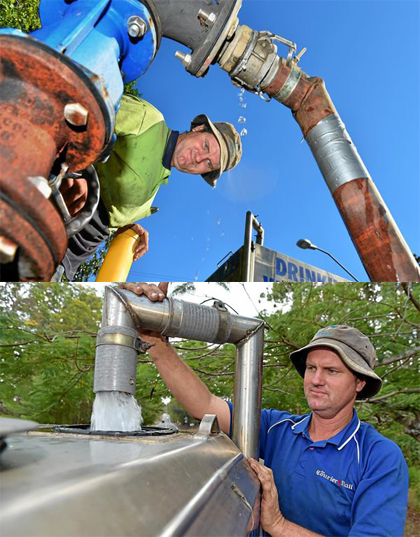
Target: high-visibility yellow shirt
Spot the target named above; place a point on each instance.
(134, 171)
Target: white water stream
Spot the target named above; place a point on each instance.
(115, 411)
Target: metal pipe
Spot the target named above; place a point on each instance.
(116, 354)
(251, 60)
(247, 393)
(125, 312)
(248, 264)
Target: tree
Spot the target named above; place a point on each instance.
(21, 14)
(47, 351)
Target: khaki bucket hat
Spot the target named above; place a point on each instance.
(229, 142)
(354, 348)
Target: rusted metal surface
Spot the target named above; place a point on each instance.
(30, 220)
(381, 247)
(50, 112)
(37, 84)
(305, 83)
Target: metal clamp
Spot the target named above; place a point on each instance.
(291, 46)
(112, 336)
(290, 85)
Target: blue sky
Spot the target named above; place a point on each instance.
(368, 54)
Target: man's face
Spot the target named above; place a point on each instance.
(330, 386)
(196, 152)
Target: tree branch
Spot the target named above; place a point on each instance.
(382, 397)
(407, 291)
(402, 356)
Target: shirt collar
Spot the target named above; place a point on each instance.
(169, 149)
(339, 440)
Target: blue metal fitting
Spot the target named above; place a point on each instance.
(94, 34)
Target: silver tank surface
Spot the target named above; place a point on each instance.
(55, 485)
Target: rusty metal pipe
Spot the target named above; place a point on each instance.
(251, 60)
(378, 241)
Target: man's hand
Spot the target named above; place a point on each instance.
(142, 244)
(272, 519)
(74, 192)
(155, 293)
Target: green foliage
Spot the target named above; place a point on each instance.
(130, 89)
(47, 351)
(91, 267)
(21, 14)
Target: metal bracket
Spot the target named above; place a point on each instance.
(219, 305)
(208, 426)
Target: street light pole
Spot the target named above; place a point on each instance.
(306, 243)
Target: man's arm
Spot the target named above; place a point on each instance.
(183, 383)
(272, 519)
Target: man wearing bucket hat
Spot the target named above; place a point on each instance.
(144, 153)
(326, 472)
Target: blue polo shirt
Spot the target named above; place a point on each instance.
(353, 484)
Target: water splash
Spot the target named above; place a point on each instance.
(243, 132)
(115, 411)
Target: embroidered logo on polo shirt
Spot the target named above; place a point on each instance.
(339, 482)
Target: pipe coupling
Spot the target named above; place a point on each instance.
(201, 323)
(117, 349)
(249, 58)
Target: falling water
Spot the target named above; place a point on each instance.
(242, 104)
(115, 411)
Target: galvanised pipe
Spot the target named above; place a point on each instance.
(125, 312)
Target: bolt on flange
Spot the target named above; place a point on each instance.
(8, 250)
(206, 18)
(185, 58)
(136, 26)
(76, 114)
(42, 185)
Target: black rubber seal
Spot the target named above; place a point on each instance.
(85, 429)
